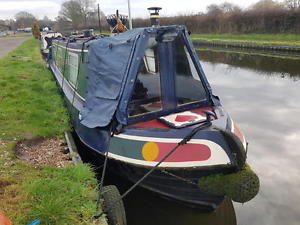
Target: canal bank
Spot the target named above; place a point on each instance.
(248, 45)
(277, 42)
(37, 178)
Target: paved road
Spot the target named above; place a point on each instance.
(8, 44)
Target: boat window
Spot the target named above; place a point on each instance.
(59, 58)
(147, 93)
(149, 58)
(189, 87)
(73, 68)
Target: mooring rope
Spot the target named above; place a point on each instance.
(186, 180)
(102, 179)
(104, 170)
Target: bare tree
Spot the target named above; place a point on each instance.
(213, 9)
(62, 24)
(292, 4)
(71, 12)
(266, 5)
(228, 7)
(46, 19)
(46, 22)
(265, 16)
(79, 13)
(87, 7)
(24, 19)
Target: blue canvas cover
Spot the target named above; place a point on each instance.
(108, 62)
(113, 64)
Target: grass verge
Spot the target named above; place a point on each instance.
(290, 39)
(32, 107)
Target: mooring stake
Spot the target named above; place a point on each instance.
(73, 149)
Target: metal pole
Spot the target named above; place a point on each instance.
(129, 14)
(99, 19)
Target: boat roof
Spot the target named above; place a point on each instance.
(113, 65)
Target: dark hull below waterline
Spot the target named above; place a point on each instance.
(162, 184)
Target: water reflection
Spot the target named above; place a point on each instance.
(146, 208)
(266, 108)
(270, 66)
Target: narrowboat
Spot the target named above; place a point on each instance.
(46, 39)
(133, 96)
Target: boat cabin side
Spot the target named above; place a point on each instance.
(70, 59)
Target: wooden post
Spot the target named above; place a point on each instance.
(99, 19)
(129, 15)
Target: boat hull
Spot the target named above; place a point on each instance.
(161, 183)
(177, 185)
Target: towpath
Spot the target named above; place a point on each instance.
(8, 44)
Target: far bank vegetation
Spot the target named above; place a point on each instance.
(265, 16)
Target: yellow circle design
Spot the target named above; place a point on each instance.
(150, 151)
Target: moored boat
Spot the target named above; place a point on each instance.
(141, 98)
(46, 40)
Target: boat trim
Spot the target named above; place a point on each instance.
(233, 130)
(71, 49)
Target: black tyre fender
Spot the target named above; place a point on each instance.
(113, 206)
(236, 147)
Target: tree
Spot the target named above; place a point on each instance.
(79, 13)
(46, 19)
(71, 12)
(228, 7)
(266, 5)
(292, 4)
(62, 24)
(213, 10)
(36, 31)
(7, 24)
(87, 7)
(24, 19)
(46, 22)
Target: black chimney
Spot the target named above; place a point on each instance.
(154, 16)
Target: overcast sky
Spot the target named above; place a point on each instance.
(50, 8)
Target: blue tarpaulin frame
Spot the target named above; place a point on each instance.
(113, 64)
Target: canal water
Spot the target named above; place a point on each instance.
(262, 94)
